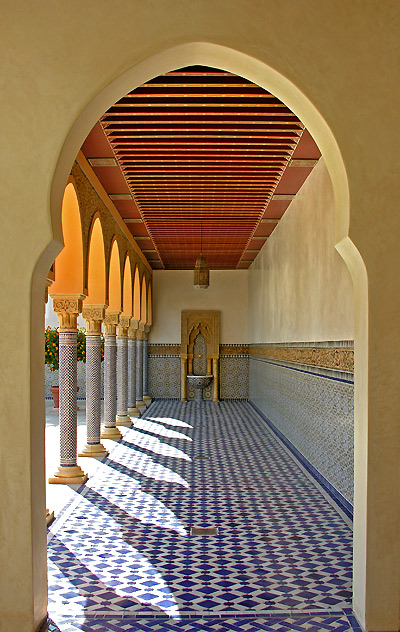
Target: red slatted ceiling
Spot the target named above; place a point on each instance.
(201, 146)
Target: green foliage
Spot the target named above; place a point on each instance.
(51, 347)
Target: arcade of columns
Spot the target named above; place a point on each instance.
(101, 275)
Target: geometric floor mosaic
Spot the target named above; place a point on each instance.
(122, 557)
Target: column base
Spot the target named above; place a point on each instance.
(141, 404)
(69, 476)
(110, 433)
(134, 412)
(215, 399)
(147, 399)
(96, 449)
(49, 517)
(123, 420)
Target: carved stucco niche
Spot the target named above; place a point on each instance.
(193, 323)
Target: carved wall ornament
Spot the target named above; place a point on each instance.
(206, 322)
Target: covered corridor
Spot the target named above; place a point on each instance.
(124, 553)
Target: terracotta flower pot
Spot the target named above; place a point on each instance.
(55, 391)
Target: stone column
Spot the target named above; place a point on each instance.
(183, 378)
(146, 396)
(122, 418)
(94, 316)
(215, 380)
(49, 514)
(67, 309)
(139, 368)
(209, 361)
(109, 430)
(133, 411)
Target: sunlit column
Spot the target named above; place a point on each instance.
(94, 316)
(215, 380)
(122, 417)
(146, 396)
(67, 309)
(183, 378)
(109, 430)
(139, 368)
(49, 514)
(133, 411)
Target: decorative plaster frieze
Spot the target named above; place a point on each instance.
(341, 359)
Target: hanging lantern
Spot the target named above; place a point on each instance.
(201, 271)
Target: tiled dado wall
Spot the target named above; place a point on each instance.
(306, 390)
(165, 371)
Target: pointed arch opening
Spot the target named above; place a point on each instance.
(143, 302)
(96, 265)
(136, 295)
(68, 266)
(114, 280)
(127, 288)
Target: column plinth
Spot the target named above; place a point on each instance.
(109, 430)
(94, 316)
(67, 309)
(122, 417)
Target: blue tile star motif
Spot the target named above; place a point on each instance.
(123, 556)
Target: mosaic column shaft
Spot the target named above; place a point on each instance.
(94, 316)
(109, 430)
(133, 411)
(122, 418)
(146, 396)
(139, 370)
(183, 379)
(67, 309)
(215, 380)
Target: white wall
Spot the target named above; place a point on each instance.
(299, 287)
(173, 291)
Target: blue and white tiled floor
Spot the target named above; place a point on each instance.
(122, 557)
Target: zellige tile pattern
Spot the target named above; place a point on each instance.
(121, 557)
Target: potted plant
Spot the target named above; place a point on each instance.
(51, 355)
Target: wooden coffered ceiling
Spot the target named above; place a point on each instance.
(200, 146)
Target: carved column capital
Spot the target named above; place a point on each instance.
(110, 322)
(94, 316)
(67, 308)
(132, 331)
(123, 326)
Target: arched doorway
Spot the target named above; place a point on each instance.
(266, 77)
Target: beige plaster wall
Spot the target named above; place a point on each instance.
(173, 291)
(299, 286)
